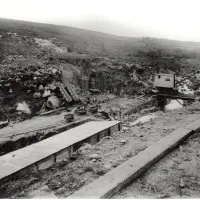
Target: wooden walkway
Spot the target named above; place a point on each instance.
(43, 154)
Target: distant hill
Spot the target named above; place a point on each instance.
(95, 43)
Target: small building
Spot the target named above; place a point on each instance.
(164, 80)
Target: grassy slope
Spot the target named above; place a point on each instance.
(94, 42)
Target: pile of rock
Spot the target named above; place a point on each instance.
(31, 84)
(29, 79)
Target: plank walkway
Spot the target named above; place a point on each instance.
(43, 154)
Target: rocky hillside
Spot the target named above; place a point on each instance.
(30, 62)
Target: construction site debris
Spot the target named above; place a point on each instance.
(81, 110)
(69, 117)
(151, 109)
(41, 87)
(182, 184)
(107, 138)
(94, 91)
(72, 92)
(65, 94)
(46, 93)
(42, 193)
(85, 148)
(94, 156)
(4, 123)
(93, 108)
(174, 104)
(144, 119)
(23, 107)
(55, 111)
(37, 95)
(53, 102)
(163, 196)
(123, 142)
(106, 115)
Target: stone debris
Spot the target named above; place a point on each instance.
(37, 95)
(94, 157)
(85, 149)
(42, 193)
(47, 93)
(163, 196)
(23, 107)
(53, 102)
(174, 104)
(151, 109)
(41, 87)
(144, 119)
(107, 138)
(69, 117)
(123, 142)
(4, 123)
(182, 184)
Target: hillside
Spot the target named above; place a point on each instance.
(94, 42)
(31, 55)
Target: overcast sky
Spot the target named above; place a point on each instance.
(172, 19)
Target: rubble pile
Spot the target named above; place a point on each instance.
(29, 76)
(114, 76)
(105, 75)
(32, 79)
(28, 87)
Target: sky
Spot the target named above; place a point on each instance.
(171, 19)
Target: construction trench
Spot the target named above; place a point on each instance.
(69, 121)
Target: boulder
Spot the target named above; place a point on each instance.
(36, 95)
(54, 102)
(94, 156)
(23, 107)
(47, 93)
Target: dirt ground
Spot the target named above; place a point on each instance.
(21, 134)
(175, 176)
(55, 120)
(35, 124)
(116, 102)
(62, 179)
